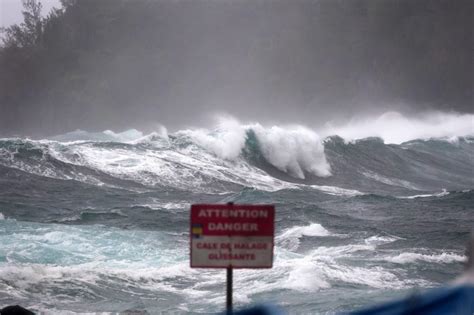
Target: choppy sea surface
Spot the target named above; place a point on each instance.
(98, 222)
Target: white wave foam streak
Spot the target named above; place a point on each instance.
(2, 217)
(395, 128)
(336, 191)
(157, 204)
(324, 252)
(290, 238)
(390, 181)
(294, 150)
(440, 194)
(313, 229)
(310, 272)
(379, 240)
(406, 258)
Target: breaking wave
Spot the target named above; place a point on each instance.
(235, 155)
(290, 238)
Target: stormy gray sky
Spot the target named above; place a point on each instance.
(10, 10)
(302, 61)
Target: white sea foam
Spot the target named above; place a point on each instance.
(378, 240)
(146, 264)
(2, 217)
(157, 205)
(158, 138)
(376, 277)
(306, 277)
(183, 168)
(395, 128)
(207, 162)
(290, 238)
(226, 141)
(337, 191)
(69, 219)
(294, 150)
(342, 251)
(319, 268)
(40, 164)
(405, 258)
(440, 194)
(313, 229)
(315, 271)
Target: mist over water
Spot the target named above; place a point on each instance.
(394, 127)
(132, 64)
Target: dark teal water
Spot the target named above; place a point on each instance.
(99, 222)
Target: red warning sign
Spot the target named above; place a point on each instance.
(229, 235)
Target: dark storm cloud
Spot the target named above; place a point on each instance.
(290, 61)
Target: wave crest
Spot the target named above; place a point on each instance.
(395, 128)
(293, 150)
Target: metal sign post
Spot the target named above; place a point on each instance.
(229, 291)
(232, 236)
(229, 282)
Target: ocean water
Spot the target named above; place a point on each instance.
(98, 222)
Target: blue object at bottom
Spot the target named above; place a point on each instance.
(449, 300)
(458, 300)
